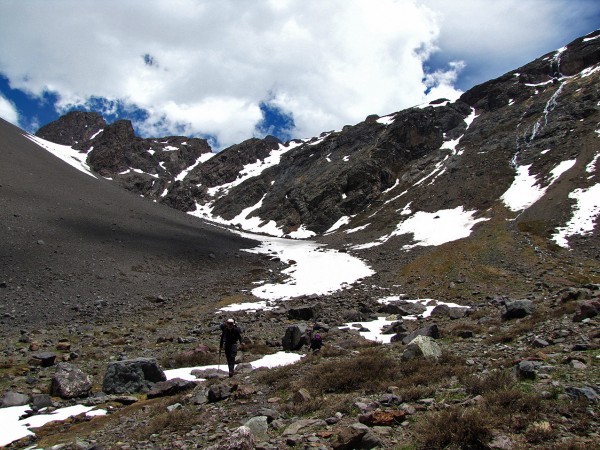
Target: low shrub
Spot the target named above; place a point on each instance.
(189, 359)
(454, 428)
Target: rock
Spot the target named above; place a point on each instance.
(464, 334)
(14, 399)
(517, 309)
(430, 330)
(540, 343)
(422, 346)
(270, 413)
(295, 427)
(370, 440)
(218, 392)
(304, 312)
(302, 396)
(571, 294)
(295, 337)
(575, 364)
(350, 437)
(394, 328)
(587, 310)
(132, 375)
(63, 346)
(240, 439)
(584, 392)
(458, 312)
(440, 310)
(382, 418)
(525, 370)
(170, 387)
(39, 401)
(209, 374)
(70, 382)
(44, 359)
(410, 309)
(259, 426)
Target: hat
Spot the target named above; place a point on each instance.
(230, 321)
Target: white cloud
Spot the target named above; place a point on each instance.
(8, 111)
(205, 67)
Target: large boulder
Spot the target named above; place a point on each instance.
(422, 346)
(517, 309)
(132, 375)
(430, 330)
(11, 398)
(70, 382)
(170, 387)
(308, 312)
(295, 337)
(587, 310)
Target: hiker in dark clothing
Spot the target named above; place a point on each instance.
(316, 343)
(230, 336)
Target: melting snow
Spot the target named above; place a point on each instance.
(202, 159)
(386, 120)
(12, 429)
(354, 230)
(591, 167)
(436, 228)
(268, 361)
(525, 191)
(375, 327)
(64, 152)
(344, 220)
(585, 213)
(256, 168)
(315, 270)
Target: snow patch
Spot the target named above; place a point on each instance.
(585, 213)
(64, 152)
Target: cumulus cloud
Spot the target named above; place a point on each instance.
(205, 68)
(8, 111)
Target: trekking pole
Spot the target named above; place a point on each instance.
(219, 364)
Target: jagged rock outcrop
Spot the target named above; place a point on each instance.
(73, 128)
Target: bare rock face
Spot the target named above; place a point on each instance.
(70, 382)
(132, 375)
(73, 128)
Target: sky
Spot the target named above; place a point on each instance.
(234, 69)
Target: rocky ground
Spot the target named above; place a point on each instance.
(529, 381)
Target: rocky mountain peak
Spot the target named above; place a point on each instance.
(73, 128)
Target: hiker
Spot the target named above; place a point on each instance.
(316, 343)
(230, 336)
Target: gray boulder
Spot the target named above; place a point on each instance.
(218, 392)
(526, 370)
(170, 387)
(259, 426)
(70, 382)
(584, 392)
(44, 359)
(11, 398)
(422, 346)
(295, 337)
(430, 330)
(308, 312)
(517, 309)
(132, 375)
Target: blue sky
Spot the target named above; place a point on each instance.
(233, 69)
